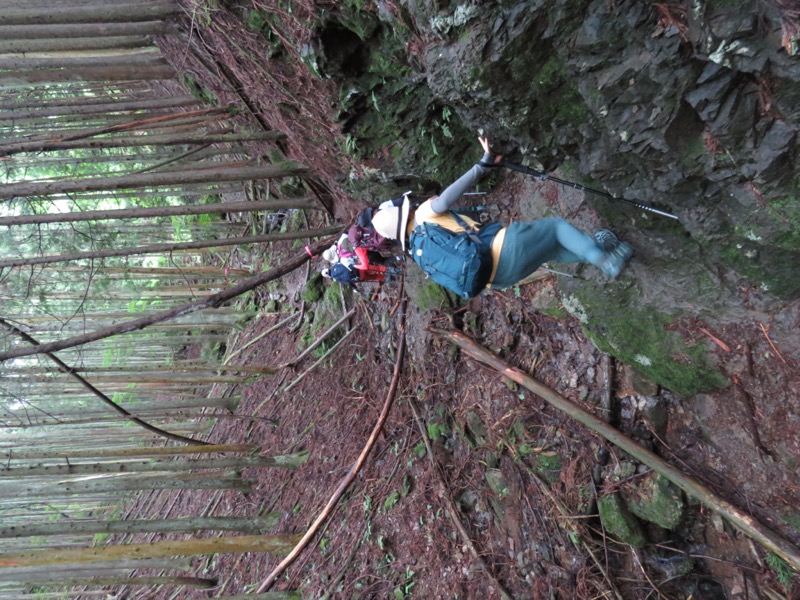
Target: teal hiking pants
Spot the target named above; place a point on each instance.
(529, 244)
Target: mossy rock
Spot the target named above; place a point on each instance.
(431, 296)
(619, 522)
(548, 465)
(497, 482)
(613, 317)
(656, 500)
(438, 425)
(476, 429)
(314, 288)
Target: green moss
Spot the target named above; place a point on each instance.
(793, 520)
(327, 310)
(438, 424)
(314, 288)
(198, 91)
(656, 500)
(551, 73)
(619, 522)
(772, 268)
(786, 210)
(556, 312)
(353, 15)
(570, 107)
(641, 338)
(331, 296)
(385, 109)
(431, 296)
(548, 465)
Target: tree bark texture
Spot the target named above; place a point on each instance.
(146, 180)
(271, 544)
(250, 525)
(162, 211)
(169, 247)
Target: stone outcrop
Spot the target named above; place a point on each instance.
(689, 108)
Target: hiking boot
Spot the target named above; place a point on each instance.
(606, 239)
(615, 259)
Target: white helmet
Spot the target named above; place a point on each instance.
(391, 222)
(331, 255)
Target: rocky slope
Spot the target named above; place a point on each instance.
(688, 108)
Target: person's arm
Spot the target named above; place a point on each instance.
(455, 190)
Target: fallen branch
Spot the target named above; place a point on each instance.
(254, 340)
(318, 362)
(451, 509)
(348, 479)
(747, 524)
(317, 342)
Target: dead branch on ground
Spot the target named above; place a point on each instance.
(744, 522)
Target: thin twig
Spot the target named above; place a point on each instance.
(255, 339)
(638, 559)
(318, 362)
(366, 314)
(766, 335)
(318, 341)
(716, 340)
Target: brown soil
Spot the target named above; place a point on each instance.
(534, 529)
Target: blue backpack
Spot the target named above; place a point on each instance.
(461, 262)
(344, 275)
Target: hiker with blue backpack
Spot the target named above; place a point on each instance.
(465, 257)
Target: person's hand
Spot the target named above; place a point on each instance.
(488, 150)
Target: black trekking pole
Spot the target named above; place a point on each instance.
(578, 186)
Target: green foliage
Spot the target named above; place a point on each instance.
(548, 465)
(256, 20)
(781, 568)
(387, 109)
(314, 288)
(404, 590)
(204, 11)
(393, 499)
